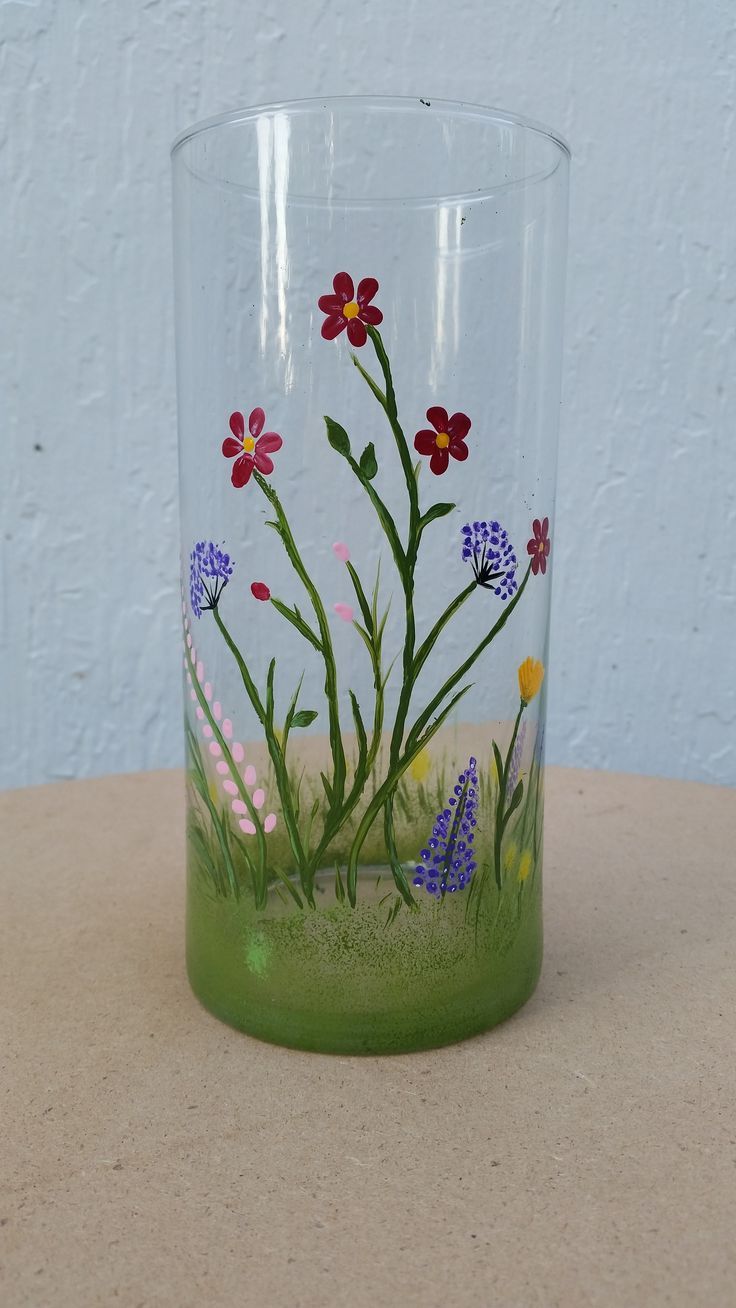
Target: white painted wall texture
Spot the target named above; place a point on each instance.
(644, 629)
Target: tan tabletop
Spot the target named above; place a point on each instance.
(582, 1154)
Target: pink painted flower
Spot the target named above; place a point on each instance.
(228, 768)
(539, 546)
(341, 551)
(252, 450)
(346, 309)
(448, 438)
(343, 611)
(259, 590)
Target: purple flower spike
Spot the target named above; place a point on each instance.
(486, 546)
(447, 861)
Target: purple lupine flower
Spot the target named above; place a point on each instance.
(487, 547)
(447, 861)
(515, 763)
(210, 569)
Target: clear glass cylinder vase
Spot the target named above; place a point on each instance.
(368, 306)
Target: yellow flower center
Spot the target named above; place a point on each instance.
(249, 444)
(540, 547)
(442, 441)
(351, 310)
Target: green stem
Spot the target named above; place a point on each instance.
(289, 718)
(389, 836)
(501, 802)
(372, 637)
(467, 663)
(234, 773)
(407, 576)
(275, 752)
(385, 791)
(374, 651)
(362, 771)
(389, 404)
(387, 400)
(331, 689)
(428, 643)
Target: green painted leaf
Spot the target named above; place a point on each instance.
(361, 596)
(269, 691)
(326, 787)
(515, 802)
(295, 618)
(304, 717)
(499, 762)
(363, 636)
(339, 885)
(337, 436)
(359, 729)
(435, 511)
(369, 462)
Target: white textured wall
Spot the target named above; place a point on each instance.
(644, 632)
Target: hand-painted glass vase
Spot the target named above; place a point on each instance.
(369, 298)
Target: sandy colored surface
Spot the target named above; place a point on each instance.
(582, 1154)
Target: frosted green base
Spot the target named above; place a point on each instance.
(340, 980)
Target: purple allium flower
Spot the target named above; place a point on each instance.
(515, 763)
(210, 569)
(447, 861)
(487, 547)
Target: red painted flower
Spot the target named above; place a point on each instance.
(346, 309)
(448, 438)
(260, 590)
(539, 546)
(252, 450)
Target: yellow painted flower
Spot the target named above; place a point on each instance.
(212, 788)
(419, 766)
(531, 676)
(509, 858)
(525, 864)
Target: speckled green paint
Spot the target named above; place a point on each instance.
(339, 979)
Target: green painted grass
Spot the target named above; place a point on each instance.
(369, 979)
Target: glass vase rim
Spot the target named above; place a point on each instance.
(400, 104)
